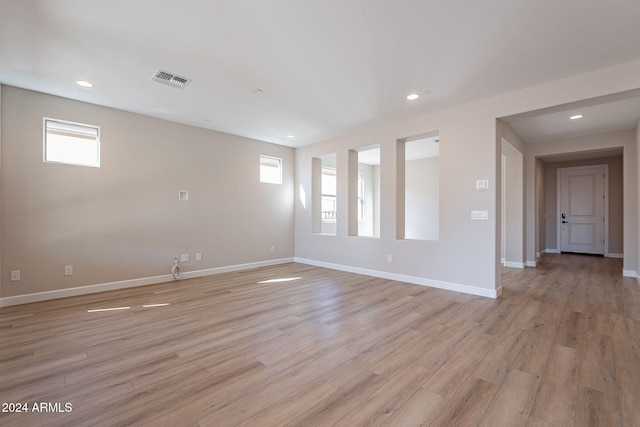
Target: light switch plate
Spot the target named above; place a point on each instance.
(479, 215)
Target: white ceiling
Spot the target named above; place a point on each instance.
(325, 68)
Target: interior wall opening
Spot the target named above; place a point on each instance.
(329, 191)
(367, 191)
(418, 202)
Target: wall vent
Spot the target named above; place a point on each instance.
(170, 79)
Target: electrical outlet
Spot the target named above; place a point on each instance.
(273, 249)
(198, 256)
(389, 258)
(482, 184)
(15, 275)
(184, 257)
(68, 270)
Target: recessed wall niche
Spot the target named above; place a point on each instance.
(324, 194)
(418, 187)
(364, 191)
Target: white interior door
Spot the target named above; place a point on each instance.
(582, 209)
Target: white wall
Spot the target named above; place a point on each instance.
(503, 210)
(461, 163)
(637, 204)
(514, 206)
(466, 257)
(1, 186)
(123, 221)
(512, 149)
(541, 224)
(422, 199)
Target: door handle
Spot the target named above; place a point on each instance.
(565, 222)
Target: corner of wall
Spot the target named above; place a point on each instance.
(1, 190)
(637, 207)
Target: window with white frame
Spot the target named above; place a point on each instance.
(360, 197)
(329, 193)
(71, 143)
(270, 170)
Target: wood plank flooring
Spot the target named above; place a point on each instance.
(561, 347)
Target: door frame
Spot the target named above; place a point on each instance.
(605, 168)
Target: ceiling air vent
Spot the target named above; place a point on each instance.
(170, 79)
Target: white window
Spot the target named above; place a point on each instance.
(71, 143)
(270, 170)
(360, 197)
(329, 192)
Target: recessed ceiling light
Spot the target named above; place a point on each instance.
(84, 83)
(413, 96)
(576, 117)
(257, 91)
(291, 136)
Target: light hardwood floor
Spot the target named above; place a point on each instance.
(559, 348)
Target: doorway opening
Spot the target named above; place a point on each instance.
(583, 209)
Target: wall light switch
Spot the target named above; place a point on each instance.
(184, 257)
(15, 275)
(198, 256)
(479, 215)
(68, 270)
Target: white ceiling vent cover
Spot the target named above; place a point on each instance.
(170, 79)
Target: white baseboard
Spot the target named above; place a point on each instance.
(530, 263)
(551, 251)
(102, 287)
(630, 273)
(612, 255)
(473, 290)
(512, 264)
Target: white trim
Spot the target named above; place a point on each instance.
(502, 260)
(512, 264)
(551, 251)
(630, 273)
(612, 255)
(530, 264)
(473, 290)
(123, 284)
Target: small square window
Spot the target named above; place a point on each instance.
(71, 143)
(270, 170)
